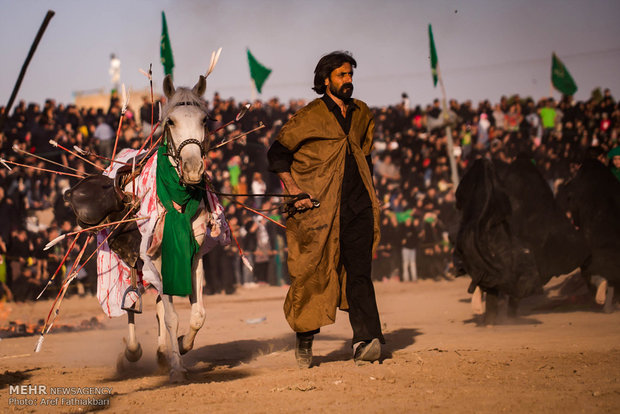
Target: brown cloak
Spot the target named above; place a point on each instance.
(317, 282)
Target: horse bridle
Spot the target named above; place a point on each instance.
(175, 152)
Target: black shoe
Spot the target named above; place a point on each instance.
(303, 351)
(367, 351)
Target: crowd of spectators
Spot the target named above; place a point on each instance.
(411, 172)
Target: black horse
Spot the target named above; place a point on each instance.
(512, 236)
(592, 198)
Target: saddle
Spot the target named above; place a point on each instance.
(98, 199)
(93, 198)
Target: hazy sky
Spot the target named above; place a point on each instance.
(486, 48)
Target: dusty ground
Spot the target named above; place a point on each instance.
(561, 355)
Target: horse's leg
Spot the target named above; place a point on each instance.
(600, 283)
(513, 307)
(197, 318)
(476, 301)
(492, 304)
(162, 359)
(133, 349)
(177, 370)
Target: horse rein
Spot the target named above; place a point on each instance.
(287, 207)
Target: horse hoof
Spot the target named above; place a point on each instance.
(177, 376)
(162, 360)
(183, 350)
(133, 356)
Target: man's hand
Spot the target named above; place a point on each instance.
(293, 189)
(303, 204)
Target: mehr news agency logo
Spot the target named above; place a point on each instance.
(56, 396)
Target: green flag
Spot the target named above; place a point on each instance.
(433, 55)
(165, 50)
(560, 78)
(258, 72)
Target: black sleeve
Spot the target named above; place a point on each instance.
(280, 158)
(370, 166)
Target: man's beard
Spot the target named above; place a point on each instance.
(344, 93)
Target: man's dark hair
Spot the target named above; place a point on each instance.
(326, 66)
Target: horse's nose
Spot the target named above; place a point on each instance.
(193, 165)
(192, 170)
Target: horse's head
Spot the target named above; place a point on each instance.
(185, 125)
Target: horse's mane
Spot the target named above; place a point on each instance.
(183, 94)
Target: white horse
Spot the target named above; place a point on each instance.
(184, 119)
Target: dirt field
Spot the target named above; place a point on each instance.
(561, 355)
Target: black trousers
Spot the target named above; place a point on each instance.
(356, 236)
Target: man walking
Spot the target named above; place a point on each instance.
(324, 151)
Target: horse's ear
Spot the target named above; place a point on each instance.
(200, 87)
(168, 86)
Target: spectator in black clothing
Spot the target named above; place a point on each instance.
(8, 215)
(249, 242)
(409, 232)
(263, 253)
(146, 111)
(27, 286)
(219, 275)
(54, 256)
(431, 261)
(387, 262)
(19, 251)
